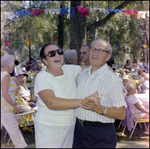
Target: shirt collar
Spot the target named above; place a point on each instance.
(101, 71)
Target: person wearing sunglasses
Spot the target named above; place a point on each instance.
(95, 123)
(84, 54)
(55, 88)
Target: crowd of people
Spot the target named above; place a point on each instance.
(77, 105)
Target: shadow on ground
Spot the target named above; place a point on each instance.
(138, 135)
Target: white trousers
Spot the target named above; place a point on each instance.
(53, 136)
(10, 123)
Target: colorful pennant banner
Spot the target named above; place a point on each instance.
(6, 43)
(117, 44)
(28, 42)
(17, 44)
(83, 11)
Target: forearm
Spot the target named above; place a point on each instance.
(144, 110)
(112, 112)
(62, 104)
(8, 99)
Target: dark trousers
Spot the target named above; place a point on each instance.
(103, 136)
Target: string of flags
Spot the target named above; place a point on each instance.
(83, 11)
(27, 42)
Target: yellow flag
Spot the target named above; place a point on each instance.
(144, 46)
(28, 42)
(36, 39)
(89, 39)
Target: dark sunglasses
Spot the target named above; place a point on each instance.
(53, 53)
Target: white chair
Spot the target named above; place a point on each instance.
(25, 113)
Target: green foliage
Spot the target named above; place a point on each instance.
(119, 29)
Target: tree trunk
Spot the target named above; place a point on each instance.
(77, 29)
(61, 27)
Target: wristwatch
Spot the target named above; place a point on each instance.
(105, 111)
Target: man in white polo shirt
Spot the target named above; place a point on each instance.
(95, 123)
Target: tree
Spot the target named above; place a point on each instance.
(77, 29)
(73, 32)
(77, 25)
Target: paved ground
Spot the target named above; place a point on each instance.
(133, 144)
(127, 144)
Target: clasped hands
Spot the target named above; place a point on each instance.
(91, 102)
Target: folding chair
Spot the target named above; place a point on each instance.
(25, 113)
(136, 121)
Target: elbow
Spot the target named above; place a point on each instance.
(51, 105)
(123, 115)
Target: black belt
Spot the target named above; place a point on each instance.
(90, 123)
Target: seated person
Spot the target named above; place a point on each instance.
(141, 80)
(145, 84)
(125, 81)
(138, 108)
(139, 72)
(24, 92)
(127, 65)
(146, 69)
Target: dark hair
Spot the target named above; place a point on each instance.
(87, 46)
(146, 67)
(25, 75)
(31, 59)
(127, 61)
(16, 62)
(109, 63)
(42, 55)
(114, 69)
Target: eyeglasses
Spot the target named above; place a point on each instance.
(99, 50)
(53, 53)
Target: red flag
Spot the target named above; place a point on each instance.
(6, 43)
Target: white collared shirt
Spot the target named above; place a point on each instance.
(110, 91)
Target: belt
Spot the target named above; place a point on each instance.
(90, 123)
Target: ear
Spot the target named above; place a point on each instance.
(108, 57)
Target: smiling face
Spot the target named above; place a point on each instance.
(53, 62)
(98, 59)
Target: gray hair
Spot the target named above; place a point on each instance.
(69, 56)
(130, 86)
(7, 60)
(109, 45)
